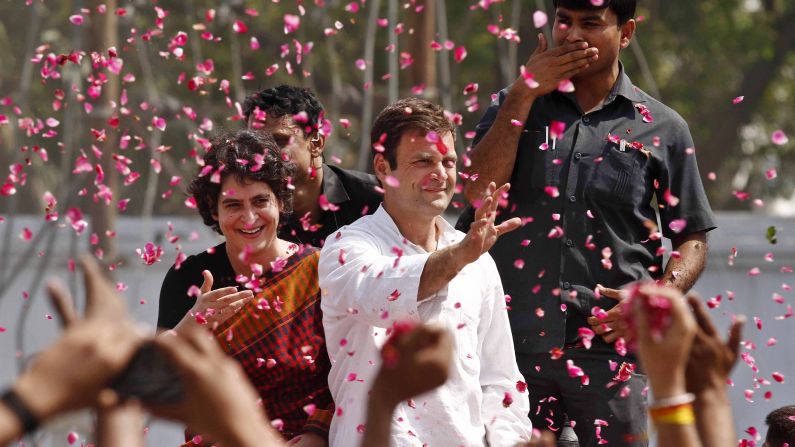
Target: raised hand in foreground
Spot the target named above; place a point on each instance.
(708, 367)
(416, 359)
(219, 402)
(663, 329)
(72, 372)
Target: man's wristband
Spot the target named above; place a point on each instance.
(676, 415)
(681, 399)
(16, 405)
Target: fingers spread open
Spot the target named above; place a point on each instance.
(207, 284)
(615, 294)
(484, 208)
(244, 295)
(509, 225)
(218, 294)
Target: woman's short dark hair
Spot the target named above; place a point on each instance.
(623, 9)
(250, 157)
(406, 115)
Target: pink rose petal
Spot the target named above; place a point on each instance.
(556, 129)
(460, 53)
(779, 138)
(566, 86)
(291, 23)
(239, 27)
(539, 19)
(677, 225)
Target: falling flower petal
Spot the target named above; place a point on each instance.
(460, 53)
(677, 225)
(539, 19)
(566, 86)
(556, 129)
(779, 138)
(291, 23)
(239, 27)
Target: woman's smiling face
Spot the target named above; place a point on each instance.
(247, 214)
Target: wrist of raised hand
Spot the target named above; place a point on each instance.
(667, 385)
(41, 399)
(712, 396)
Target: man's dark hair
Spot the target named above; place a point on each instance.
(286, 100)
(781, 429)
(406, 115)
(249, 156)
(623, 9)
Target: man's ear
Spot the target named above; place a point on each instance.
(381, 167)
(627, 32)
(317, 144)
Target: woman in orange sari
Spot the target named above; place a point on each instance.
(258, 294)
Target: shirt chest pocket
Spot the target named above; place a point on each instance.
(615, 179)
(530, 169)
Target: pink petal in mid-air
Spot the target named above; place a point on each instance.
(677, 225)
(291, 23)
(539, 19)
(159, 122)
(556, 129)
(566, 86)
(239, 27)
(779, 138)
(460, 53)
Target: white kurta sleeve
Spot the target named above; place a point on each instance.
(358, 280)
(499, 373)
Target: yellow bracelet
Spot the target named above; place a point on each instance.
(676, 415)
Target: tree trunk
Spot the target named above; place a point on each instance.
(423, 71)
(103, 34)
(394, 69)
(367, 110)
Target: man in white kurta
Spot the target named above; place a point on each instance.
(405, 262)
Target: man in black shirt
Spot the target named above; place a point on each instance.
(326, 197)
(585, 160)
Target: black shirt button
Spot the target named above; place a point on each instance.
(572, 198)
(567, 285)
(586, 119)
(577, 155)
(569, 243)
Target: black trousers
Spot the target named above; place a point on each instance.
(617, 412)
